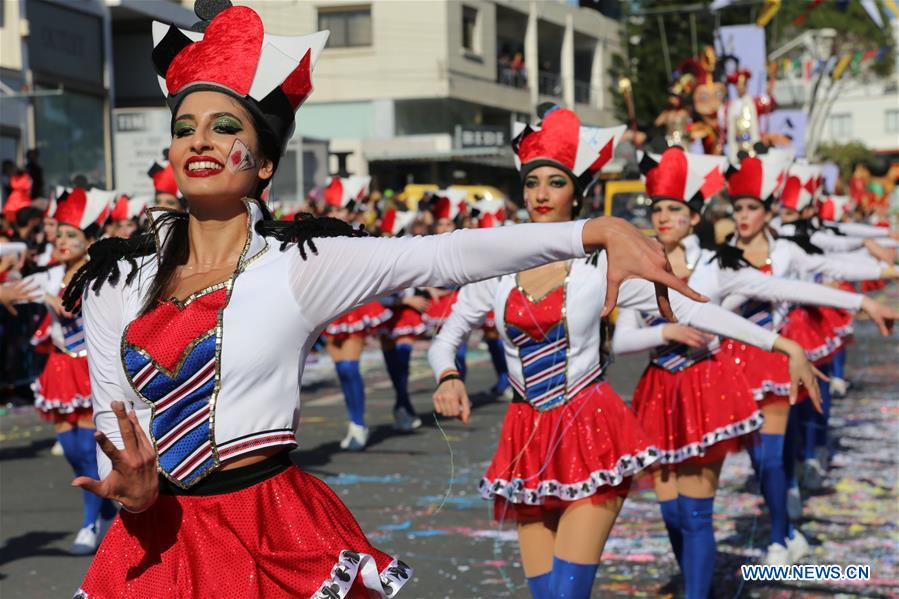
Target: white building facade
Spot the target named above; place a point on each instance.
(427, 92)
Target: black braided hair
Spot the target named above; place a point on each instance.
(304, 228)
(729, 257)
(804, 242)
(103, 265)
(104, 255)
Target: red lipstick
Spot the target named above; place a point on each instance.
(203, 166)
(542, 209)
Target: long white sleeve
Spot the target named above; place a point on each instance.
(630, 336)
(835, 267)
(103, 315)
(836, 243)
(859, 229)
(708, 317)
(469, 310)
(346, 272)
(756, 284)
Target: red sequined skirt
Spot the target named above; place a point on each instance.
(364, 320)
(699, 414)
(62, 392)
(768, 373)
(287, 536)
(439, 310)
(807, 326)
(587, 448)
(405, 322)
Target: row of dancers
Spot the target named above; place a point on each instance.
(194, 385)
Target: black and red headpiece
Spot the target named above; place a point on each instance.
(230, 52)
(561, 142)
(683, 177)
(84, 209)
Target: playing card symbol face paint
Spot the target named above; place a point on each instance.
(240, 158)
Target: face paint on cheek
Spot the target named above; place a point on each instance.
(240, 158)
(682, 222)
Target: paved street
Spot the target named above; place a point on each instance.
(415, 495)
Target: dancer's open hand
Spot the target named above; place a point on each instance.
(133, 481)
(633, 255)
(681, 333)
(883, 316)
(451, 399)
(802, 373)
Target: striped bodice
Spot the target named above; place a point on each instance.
(675, 357)
(73, 335)
(538, 331)
(758, 311)
(171, 359)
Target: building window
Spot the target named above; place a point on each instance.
(471, 38)
(350, 28)
(892, 121)
(841, 126)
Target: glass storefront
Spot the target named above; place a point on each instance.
(69, 129)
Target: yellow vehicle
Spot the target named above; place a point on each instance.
(628, 200)
(413, 192)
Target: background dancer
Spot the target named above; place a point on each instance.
(63, 391)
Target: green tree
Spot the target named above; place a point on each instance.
(845, 155)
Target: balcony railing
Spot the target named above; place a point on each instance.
(506, 75)
(549, 84)
(582, 93)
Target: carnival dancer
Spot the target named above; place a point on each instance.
(126, 215)
(569, 446)
(165, 186)
(345, 336)
(402, 328)
(179, 328)
(62, 392)
(696, 405)
(752, 188)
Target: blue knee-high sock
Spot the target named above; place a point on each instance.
(88, 467)
(570, 580)
(672, 517)
(699, 545)
(838, 365)
(823, 420)
(397, 360)
(794, 444)
(767, 458)
(353, 389)
(70, 448)
(461, 366)
(540, 586)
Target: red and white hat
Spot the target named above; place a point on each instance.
(683, 177)
(82, 209)
(490, 213)
(271, 75)
(560, 141)
(127, 208)
(801, 187)
(346, 192)
(395, 222)
(758, 177)
(450, 203)
(163, 176)
(834, 208)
